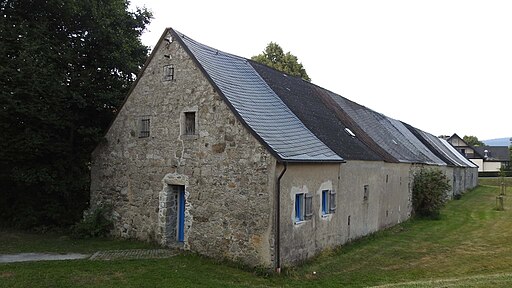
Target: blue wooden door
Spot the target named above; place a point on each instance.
(181, 214)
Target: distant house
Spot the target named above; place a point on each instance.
(229, 158)
(488, 158)
(494, 157)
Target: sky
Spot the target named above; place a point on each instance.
(442, 66)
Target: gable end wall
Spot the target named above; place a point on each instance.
(228, 174)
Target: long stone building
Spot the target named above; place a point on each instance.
(229, 158)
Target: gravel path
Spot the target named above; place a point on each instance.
(100, 255)
(24, 257)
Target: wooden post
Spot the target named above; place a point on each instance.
(499, 203)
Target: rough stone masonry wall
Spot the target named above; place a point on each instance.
(228, 174)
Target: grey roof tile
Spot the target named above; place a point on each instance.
(310, 103)
(258, 106)
(388, 133)
(494, 153)
(457, 154)
(450, 156)
(412, 143)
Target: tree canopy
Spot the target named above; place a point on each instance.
(472, 140)
(274, 57)
(65, 68)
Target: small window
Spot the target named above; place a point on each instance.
(328, 202)
(366, 193)
(303, 207)
(144, 127)
(190, 123)
(168, 72)
(299, 207)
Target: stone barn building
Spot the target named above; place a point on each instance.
(229, 158)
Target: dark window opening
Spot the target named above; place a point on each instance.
(366, 193)
(144, 127)
(168, 72)
(190, 123)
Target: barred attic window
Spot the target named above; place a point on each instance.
(168, 72)
(144, 127)
(190, 123)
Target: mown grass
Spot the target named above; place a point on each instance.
(495, 181)
(470, 246)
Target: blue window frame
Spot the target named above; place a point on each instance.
(299, 209)
(303, 207)
(328, 202)
(325, 202)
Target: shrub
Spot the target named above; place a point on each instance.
(95, 223)
(429, 192)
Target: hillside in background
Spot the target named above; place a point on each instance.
(498, 142)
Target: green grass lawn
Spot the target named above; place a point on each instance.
(495, 181)
(19, 242)
(471, 246)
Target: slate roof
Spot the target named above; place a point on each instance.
(494, 153)
(388, 133)
(257, 106)
(456, 153)
(451, 156)
(315, 109)
(301, 122)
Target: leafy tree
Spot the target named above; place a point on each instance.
(65, 67)
(429, 192)
(473, 141)
(274, 57)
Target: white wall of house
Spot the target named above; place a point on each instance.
(491, 166)
(479, 163)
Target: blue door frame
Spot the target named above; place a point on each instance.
(181, 214)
